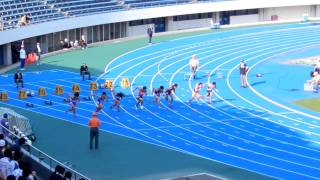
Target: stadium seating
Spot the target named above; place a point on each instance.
(46, 10)
(151, 3)
(12, 10)
(85, 7)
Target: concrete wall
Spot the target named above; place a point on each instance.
(318, 11)
(138, 30)
(188, 24)
(251, 18)
(7, 55)
(287, 13)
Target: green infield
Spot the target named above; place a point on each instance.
(312, 104)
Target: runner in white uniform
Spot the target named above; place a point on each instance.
(196, 92)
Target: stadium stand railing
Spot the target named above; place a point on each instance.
(34, 153)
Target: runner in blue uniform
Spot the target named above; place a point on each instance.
(170, 92)
(157, 94)
(101, 101)
(73, 102)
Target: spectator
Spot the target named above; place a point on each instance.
(71, 44)
(94, 124)
(22, 57)
(58, 173)
(27, 173)
(38, 52)
(76, 43)
(83, 42)
(150, 33)
(11, 177)
(3, 144)
(84, 70)
(6, 167)
(16, 147)
(67, 176)
(61, 44)
(18, 79)
(5, 124)
(243, 73)
(66, 44)
(24, 20)
(16, 168)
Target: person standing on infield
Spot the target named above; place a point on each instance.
(150, 33)
(94, 124)
(243, 73)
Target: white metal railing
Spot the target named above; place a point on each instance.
(36, 154)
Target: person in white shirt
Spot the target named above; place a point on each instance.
(194, 64)
(243, 73)
(17, 172)
(6, 167)
(76, 43)
(38, 52)
(22, 57)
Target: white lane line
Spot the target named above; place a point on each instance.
(276, 103)
(267, 110)
(270, 129)
(54, 109)
(203, 157)
(169, 121)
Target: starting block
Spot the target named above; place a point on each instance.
(3, 96)
(30, 93)
(75, 88)
(29, 105)
(22, 94)
(125, 83)
(42, 91)
(93, 86)
(48, 102)
(108, 84)
(59, 90)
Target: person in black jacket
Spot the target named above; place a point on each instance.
(58, 173)
(84, 70)
(18, 79)
(150, 32)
